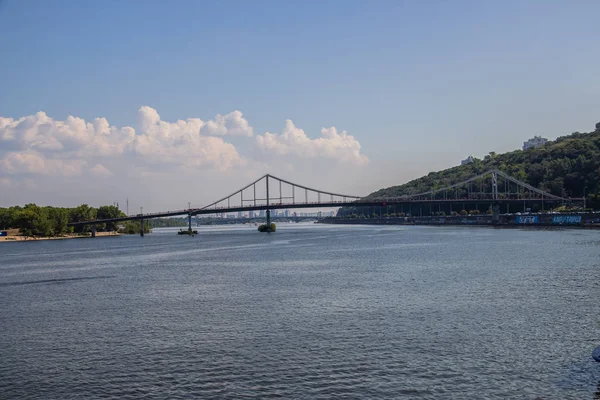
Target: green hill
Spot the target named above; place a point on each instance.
(570, 162)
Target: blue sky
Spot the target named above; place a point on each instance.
(419, 84)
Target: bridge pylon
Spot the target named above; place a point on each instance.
(496, 213)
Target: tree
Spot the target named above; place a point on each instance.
(58, 220)
(82, 213)
(108, 212)
(33, 221)
(6, 218)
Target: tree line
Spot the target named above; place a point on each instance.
(34, 220)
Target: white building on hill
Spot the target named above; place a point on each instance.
(534, 142)
(468, 160)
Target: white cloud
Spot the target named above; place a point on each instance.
(332, 144)
(230, 124)
(22, 163)
(34, 163)
(73, 136)
(233, 124)
(38, 144)
(181, 142)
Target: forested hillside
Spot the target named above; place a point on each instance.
(570, 162)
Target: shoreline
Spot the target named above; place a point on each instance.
(19, 238)
(440, 222)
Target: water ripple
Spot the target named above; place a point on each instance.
(336, 313)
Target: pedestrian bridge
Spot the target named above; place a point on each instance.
(269, 192)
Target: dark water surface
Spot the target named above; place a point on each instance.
(308, 312)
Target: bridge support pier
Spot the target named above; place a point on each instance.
(93, 231)
(190, 222)
(142, 227)
(496, 214)
(268, 213)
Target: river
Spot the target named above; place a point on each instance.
(311, 311)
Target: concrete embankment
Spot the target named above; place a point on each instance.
(583, 220)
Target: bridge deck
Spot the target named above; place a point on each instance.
(276, 206)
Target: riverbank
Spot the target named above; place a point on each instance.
(14, 236)
(583, 220)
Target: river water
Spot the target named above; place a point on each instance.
(308, 312)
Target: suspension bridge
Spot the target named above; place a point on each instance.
(492, 188)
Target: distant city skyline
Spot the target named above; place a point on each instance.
(275, 213)
(157, 104)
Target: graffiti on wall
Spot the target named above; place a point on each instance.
(566, 219)
(527, 219)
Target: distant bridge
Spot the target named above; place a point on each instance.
(493, 188)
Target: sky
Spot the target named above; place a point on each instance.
(165, 103)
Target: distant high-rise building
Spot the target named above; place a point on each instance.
(262, 214)
(287, 213)
(534, 142)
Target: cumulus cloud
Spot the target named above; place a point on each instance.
(183, 142)
(294, 141)
(38, 145)
(22, 163)
(230, 124)
(233, 123)
(73, 136)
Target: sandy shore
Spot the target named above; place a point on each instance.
(15, 237)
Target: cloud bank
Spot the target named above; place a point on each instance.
(38, 145)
